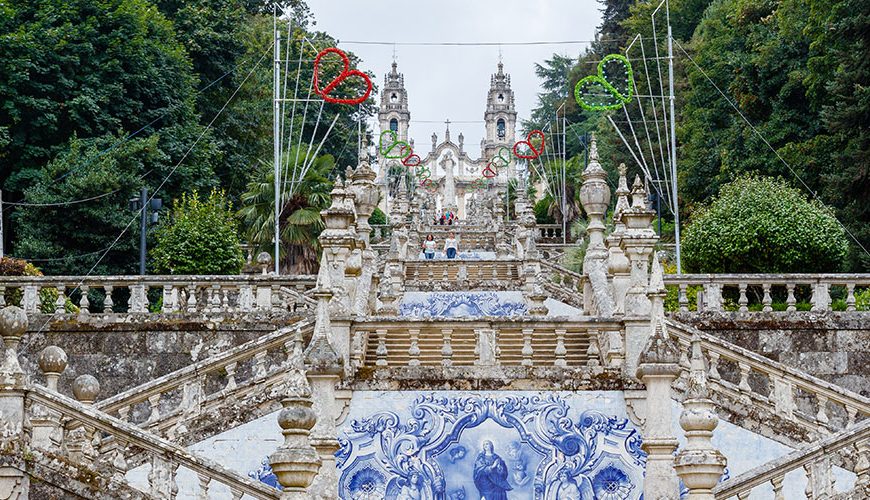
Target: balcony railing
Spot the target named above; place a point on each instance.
(156, 294)
(742, 292)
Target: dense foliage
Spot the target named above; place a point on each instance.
(102, 98)
(198, 237)
(763, 225)
(797, 71)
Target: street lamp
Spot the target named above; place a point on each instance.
(137, 204)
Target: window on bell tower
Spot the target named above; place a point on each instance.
(501, 98)
(500, 129)
(394, 97)
(394, 125)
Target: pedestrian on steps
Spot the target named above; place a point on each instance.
(429, 247)
(450, 246)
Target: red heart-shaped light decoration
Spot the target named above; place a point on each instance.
(346, 73)
(413, 160)
(489, 172)
(528, 142)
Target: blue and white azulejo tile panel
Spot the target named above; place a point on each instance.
(499, 445)
(462, 304)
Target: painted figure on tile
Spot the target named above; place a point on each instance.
(519, 464)
(490, 474)
(412, 489)
(566, 487)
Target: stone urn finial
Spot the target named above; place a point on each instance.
(264, 259)
(296, 463)
(13, 324)
(52, 361)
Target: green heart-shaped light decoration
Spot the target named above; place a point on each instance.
(389, 149)
(502, 157)
(611, 88)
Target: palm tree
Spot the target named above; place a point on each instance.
(300, 221)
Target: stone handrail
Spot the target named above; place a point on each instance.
(210, 294)
(564, 284)
(183, 392)
(98, 438)
(714, 284)
(816, 462)
(523, 341)
(780, 394)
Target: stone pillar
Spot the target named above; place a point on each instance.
(617, 263)
(638, 241)
(337, 240)
(658, 368)
(595, 197)
(325, 368)
(44, 423)
(14, 483)
(699, 464)
(296, 463)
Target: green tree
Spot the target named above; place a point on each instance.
(759, 224)
(99, 234)
(198, 237)
(300, 220)
(86, 68)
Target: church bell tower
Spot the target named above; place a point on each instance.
(500, 115)
(393, 113)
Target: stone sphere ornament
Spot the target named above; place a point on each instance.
(52, 360)
(86, 388)
(13, 324)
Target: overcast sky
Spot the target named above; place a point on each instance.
(452, 82)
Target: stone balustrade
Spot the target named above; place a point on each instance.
(159, 294)
(380, 233)
(494, 342)
(563, 284)
(550, 233)
(460, 274)
(92, 438)
(792, 395)
(851, 445)
(258, 366)
(759, 290)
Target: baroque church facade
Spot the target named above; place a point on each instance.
(453, 171)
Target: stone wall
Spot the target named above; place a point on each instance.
(834, 346)
(123, 351)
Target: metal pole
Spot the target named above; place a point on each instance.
(143, 226)
(674, 144)
(564, 186)
(276, 134)
(1, 223)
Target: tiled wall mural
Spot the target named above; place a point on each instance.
(462, 304)
(506, 445)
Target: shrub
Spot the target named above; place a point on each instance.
(199, 237)
(760, 224)
(10, 266)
